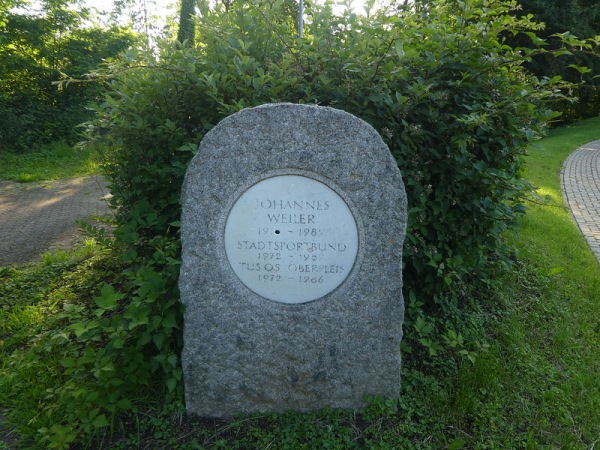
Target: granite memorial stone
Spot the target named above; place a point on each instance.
(293, 223)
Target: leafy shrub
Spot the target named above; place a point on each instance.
(451, 101)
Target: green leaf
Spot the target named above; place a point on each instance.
(399, 47)
(108, 298)
(100, 421)
(69, 307)
(457, 444)
(79, 328)
(158, 338)
(67, 362)
(171, 384)
(581, 69)
(61, 436)
(536, 39)
(169, 321)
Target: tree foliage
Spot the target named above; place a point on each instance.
(35, 48)
(563, 18)
(580, 17)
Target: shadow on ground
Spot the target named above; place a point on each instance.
(38, 217)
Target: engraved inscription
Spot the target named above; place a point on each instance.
(291, 239)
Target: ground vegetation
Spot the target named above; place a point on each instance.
(518, 369)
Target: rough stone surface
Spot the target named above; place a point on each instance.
(245, 353)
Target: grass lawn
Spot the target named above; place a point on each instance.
(50, 162)
(547, 341)
(516, 366)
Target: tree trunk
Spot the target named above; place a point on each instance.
(187, 26)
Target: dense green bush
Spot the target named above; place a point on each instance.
(450, 99)
(34, 112)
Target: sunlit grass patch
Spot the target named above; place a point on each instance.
(19, 316)
(555, 331)
(50, 162)
(545, 158)
(60, 256)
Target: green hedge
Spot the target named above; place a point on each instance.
(34, 112)
(452, 102)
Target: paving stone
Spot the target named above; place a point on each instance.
(37, 217)
(580, 180)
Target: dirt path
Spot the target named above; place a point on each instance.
(37, 217)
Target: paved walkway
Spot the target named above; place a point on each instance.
(36, 217)
(581, 188)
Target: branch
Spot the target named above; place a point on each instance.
(94, 77)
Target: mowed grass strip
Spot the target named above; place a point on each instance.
(551, 337)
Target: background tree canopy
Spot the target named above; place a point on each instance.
(35, 48)
(40, 41)
(580, 18)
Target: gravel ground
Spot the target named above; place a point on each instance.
(37, 217)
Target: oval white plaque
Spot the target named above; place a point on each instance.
(291, 239)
